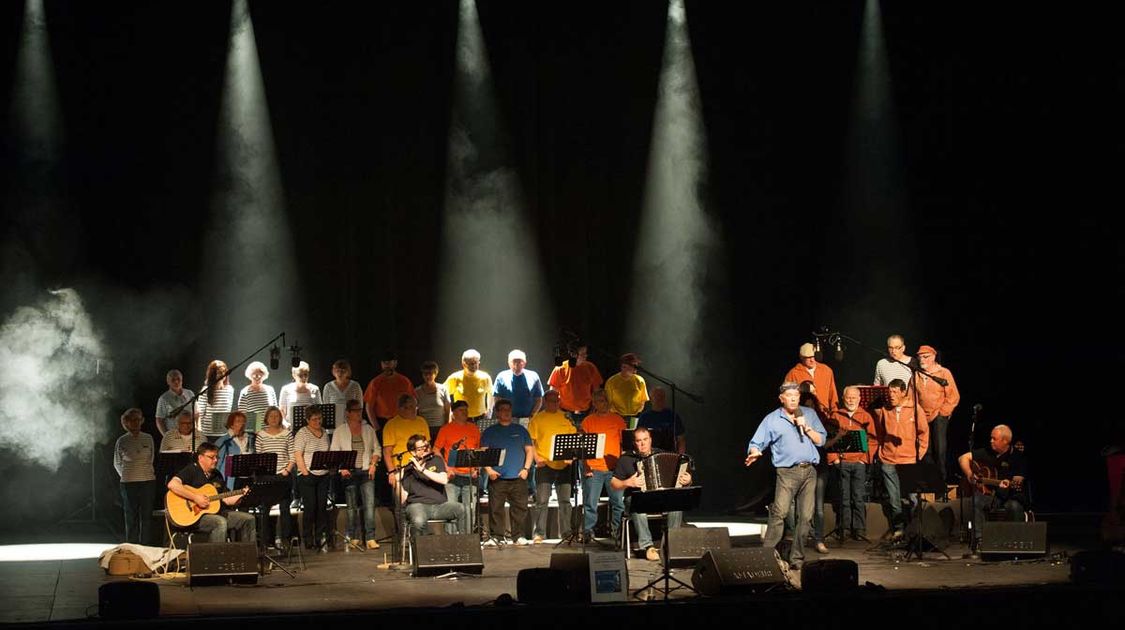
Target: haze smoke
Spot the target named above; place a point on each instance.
(53, 388)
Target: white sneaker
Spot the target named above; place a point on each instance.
(522, 542)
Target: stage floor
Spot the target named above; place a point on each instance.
(338, 581)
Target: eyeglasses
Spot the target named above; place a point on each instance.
(421, 447)
(211, 456)
(895, 347)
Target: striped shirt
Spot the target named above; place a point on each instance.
(332, 394)
(168, 402)
(132, 457)
(306, 444)
(250, 401)
(886, 371)
(224, 400)
(282, 444)
(290, 398)
(174, 441)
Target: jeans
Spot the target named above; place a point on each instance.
(939, 445)
(514, 491)
(462, 490)
(418, 513)
(136, 500)
(216, 526)
(639, 522)
(894, 496)
(852, 515)
(794, 484)
(985, 502)
(356, 487)
(563, 482)
(592, 491)
(818, 503)
(314, 497)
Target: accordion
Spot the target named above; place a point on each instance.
(661, 471)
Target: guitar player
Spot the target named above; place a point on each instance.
(997, 474)
(204, 472)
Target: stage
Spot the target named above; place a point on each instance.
(350, 582)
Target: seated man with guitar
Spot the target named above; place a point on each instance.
(193, 498)
(996, 475)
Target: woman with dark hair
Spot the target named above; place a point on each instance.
(312, 484)
(236, 442)
(218, 397)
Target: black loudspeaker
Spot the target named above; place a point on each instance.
(222, 563)
(543, 586)
(829, 576)
(1004, 540)
(934, 524)
(1097, 567)
(686, 545)
(575, 567)
(434, 555)
(128, 600)
(737, 571)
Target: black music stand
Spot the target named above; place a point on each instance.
(662, 439)
(664, 501)
(332, 461)
(848, 442)
(917, 479)
(327, 417)
(576, 447)
(266, 489)
(479, 458)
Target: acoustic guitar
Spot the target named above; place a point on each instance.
(185, 513)
(987, 480)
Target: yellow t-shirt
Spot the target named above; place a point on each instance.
(399, 430)
(627, 395)
(471, 387)
(544, 426)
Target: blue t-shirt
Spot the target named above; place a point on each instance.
(662, 419)
(522, 390)
(783, 439)
(512, 439)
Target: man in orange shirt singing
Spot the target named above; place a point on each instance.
(937, 401)
(807, 369)
(575, 381)
(904, 437)
(852, 515)
(600, 470)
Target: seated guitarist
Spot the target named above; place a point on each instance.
(204, 472)
(997, 474)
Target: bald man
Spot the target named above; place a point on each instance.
(1006, 465)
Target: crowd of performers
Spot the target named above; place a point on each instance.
(404, 437)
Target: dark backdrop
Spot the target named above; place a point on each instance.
(1008, 142)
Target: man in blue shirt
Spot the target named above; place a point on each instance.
(792, 433)
(508, 481)
(520, 386)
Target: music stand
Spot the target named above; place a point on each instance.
(576, 446)
(266, 489)
(662, 439)
(333, 461)
(327, 417)
(917, 479)
(664, 501)
(478, 458)
(873, 396)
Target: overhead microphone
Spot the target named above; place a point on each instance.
(839, 351)
(295, 350)
(817, 353)
(275, 357)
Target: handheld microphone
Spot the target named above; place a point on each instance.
(800, 433)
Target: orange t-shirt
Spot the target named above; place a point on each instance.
(452, 433)
(383, 392)
(612, 425)
(575, 384)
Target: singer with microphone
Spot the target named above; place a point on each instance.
(460, 434)
(938, 397)
(424, 478)
(792, 433)
(809, 368)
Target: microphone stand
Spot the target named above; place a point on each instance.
(972, 434)
(206, 388)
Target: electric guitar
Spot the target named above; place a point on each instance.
(185, 513)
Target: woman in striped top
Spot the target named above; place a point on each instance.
(313, 484)
(132, 457)
(274, 438)
(298, 393)
(256, 397)
(218, 398)
(339, 391)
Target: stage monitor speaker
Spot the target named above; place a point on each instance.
(222, 563)
(829, 576)
(1012, 539)
(686, 545)
(128, 600)
(543, 586)
(1098, 567)
(576, 569)
(435, 555)
(737, 571)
